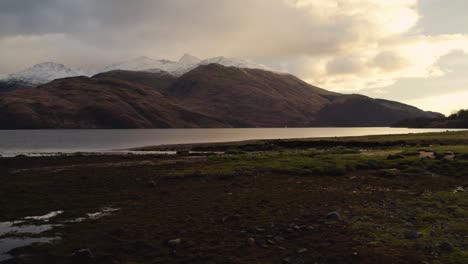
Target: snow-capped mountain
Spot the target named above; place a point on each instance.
(42, 73)
(45, 72)
(235, 62)
(184, 65)
(139, 64)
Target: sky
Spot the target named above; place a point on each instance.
(412, 51)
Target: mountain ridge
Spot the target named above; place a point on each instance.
(210, 95)
(48, 71)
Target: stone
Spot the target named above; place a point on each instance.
(411, 235)
(446, 246)
(279, 239)
(84, 255)
(334, 216)
(302, 250)
(174, 242)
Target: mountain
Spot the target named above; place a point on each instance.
(98, 102)
(45, 72)
(38, 74)
(456, 120)
(235, 62)
(248, 97)
(359, 110)
(140, 64)
(210, 95)
(184, 65)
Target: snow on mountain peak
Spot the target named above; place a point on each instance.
(236, 62)
(189, 59)
(42, 73)
(137, 64)
(184, 65)
(48, 71)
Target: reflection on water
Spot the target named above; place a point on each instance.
(14, 142)
(8, 244)
(44, 217)
(10, 228)
(12, 233)
(24, 232)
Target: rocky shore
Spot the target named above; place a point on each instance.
(253, 202)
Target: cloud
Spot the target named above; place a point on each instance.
(344, 45)
(433, 103)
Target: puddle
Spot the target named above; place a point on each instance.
(11, 228)
(46, 217)
(8, 244)
(12, 234)
(23, 227)
(104, 212)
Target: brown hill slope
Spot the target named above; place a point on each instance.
(208, 96)
(249, 97)
(83, 102)
(359, 110)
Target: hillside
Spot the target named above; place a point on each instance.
(456, 120)
(82, 102)
(209, 96)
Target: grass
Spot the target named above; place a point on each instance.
(380, 185)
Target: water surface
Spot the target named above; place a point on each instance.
(14, 142)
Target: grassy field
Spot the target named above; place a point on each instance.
(375, 199)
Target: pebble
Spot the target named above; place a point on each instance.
(334, 216)
(302, 250)
(446, 246)
(83, 256)
(411, 234)
(279, 239)
(174, 242)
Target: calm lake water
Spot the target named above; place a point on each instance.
(13, 142)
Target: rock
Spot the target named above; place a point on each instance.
(446, 246)
(83, 256)
(152, 184)
(230, 218)
(278, 239)
(334, 216)
(259, 229)
(174, 242)
(411, 235)
(302, 250)
(286, 260)
(251, 241)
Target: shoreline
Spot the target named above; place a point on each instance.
(171, 149)
(388, 199)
